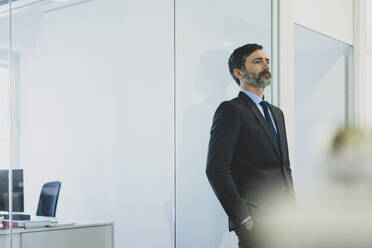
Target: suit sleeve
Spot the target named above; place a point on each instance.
(224, 137)
(288, 166)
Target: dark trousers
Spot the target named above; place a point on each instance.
(248, 239)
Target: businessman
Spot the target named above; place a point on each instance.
(248, 164)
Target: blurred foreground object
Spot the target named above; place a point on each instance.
(350, 162)
(339, 213)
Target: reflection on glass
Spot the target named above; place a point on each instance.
(18, 200)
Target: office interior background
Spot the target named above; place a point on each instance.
(115, 98)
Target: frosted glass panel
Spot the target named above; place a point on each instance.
(206, 34)
(321, 88)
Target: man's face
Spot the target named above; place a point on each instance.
(257, 70)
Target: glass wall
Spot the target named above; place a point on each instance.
(4, 111)
(93, 107)
(5, 137)
(323, 104)
(93, 110)
(206, 34)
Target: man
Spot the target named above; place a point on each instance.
(248, 164)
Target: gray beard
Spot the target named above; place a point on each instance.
(256, 80)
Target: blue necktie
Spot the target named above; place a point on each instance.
(268, 118)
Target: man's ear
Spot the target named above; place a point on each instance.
(238, 73)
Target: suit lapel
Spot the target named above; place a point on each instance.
(261, 120)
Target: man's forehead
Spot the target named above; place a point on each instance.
(257, 54)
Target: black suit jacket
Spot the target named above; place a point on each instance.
(247, 166)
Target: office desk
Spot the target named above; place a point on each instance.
(93, 235)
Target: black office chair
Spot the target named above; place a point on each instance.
(48, 199)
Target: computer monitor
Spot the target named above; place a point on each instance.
(18, 202)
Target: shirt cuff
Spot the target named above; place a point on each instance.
(245, 220)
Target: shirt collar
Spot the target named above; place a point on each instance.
(256, 99)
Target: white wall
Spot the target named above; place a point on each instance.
(331, 17)
(95, 112)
